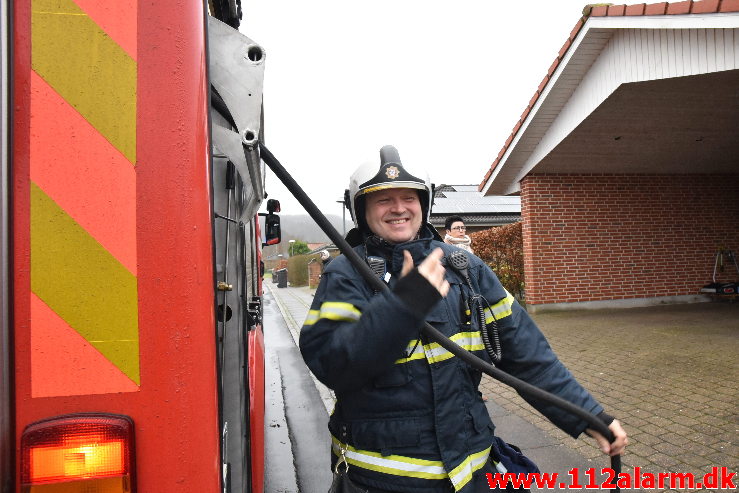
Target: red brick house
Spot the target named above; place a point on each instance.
(627, 157)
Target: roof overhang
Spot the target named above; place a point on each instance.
(641, 94)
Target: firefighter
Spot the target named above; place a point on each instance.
(325, 259)
(409, 416)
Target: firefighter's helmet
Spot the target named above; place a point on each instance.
(369, 178)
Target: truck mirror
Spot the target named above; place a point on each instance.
(272, 231)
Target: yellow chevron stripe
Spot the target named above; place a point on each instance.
(88, 69)
(84, 284)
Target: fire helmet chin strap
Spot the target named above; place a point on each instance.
(370, 277)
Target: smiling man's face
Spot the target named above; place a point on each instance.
(394, 214)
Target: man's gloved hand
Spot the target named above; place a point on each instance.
(431, 269)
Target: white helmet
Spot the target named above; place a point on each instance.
(391, 174)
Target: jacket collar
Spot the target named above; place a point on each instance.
(393, 253)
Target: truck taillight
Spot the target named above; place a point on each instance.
(91, 453)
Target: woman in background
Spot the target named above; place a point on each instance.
(456, 233)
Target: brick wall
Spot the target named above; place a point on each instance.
(314, 273)
(603, 237)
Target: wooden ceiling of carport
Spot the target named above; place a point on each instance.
(678, 125)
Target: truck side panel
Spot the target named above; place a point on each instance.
(112, 248)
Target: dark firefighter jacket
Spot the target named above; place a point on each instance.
(409, 416)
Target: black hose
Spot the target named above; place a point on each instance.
(469, 358)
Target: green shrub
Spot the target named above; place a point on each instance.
(298, 248)
(297, 269)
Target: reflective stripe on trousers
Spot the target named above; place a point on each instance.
(398, 465)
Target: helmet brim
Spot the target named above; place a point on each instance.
(397, 184)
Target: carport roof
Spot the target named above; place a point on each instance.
(666, 103)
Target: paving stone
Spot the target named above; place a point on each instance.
(665, 460)
(687, 421)
(713, 421)
(659, 420)
(653, 429)
(707, 440)
(707, 430)
(674, 439)
(697, 448)
(634, 421)
(646, 438)
(641, 449)
(731, 437)
(720, 460)
(695, 462)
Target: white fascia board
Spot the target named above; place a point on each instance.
(726, 20)
(515, 186)
(489, 181)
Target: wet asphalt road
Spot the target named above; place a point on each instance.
(297, 440)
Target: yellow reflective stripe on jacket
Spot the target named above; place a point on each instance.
(399, 465)
(312, 317)
(501, 309)
(471, 341)
(414, 350)
(333, 310)
(462, 474)
(396, 465)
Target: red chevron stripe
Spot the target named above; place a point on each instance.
(116, 18)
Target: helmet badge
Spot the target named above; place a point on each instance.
(392, 172)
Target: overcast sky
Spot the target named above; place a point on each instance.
(445, 82)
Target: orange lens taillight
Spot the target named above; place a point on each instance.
(95, 450)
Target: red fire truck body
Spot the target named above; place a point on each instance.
(133, 354)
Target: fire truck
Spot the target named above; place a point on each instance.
(132, 355)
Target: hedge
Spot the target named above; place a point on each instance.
(502, 249)
(297, 269)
